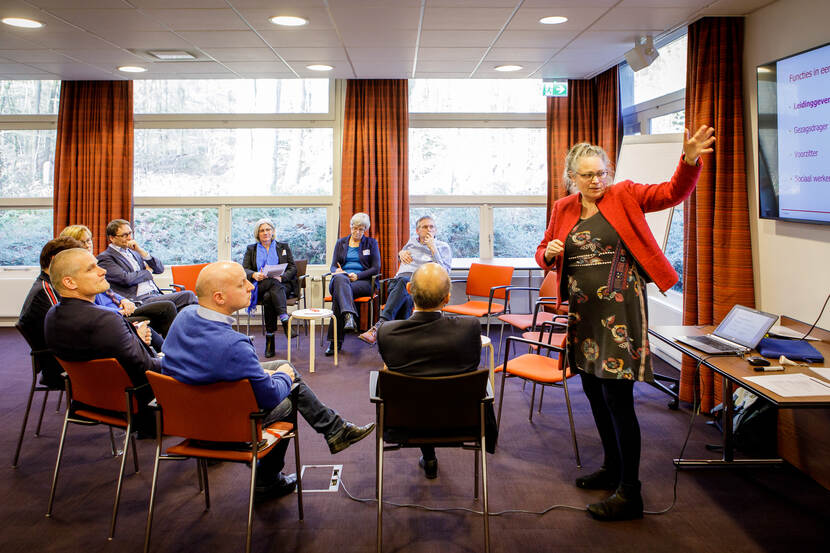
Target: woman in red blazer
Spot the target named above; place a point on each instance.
(599, 243)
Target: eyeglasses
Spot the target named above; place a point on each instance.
(590, 176)
(358, 227)
(124, 234)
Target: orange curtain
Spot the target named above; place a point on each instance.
(375, 163)
(590, 113)
(94, 156)
(717, 246)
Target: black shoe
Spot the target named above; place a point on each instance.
(282, 485)
(285, 329)
(349, 324)
(330, 349)
(430, 467)
(624, 504)
(269, 345)
(349, 434)
(603, 479)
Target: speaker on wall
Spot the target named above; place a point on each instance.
(643, 53)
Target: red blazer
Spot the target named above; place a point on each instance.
(624, 205)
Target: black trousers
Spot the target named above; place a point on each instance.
(612, 403)
(271, 294)
(159, 312)
(180, 299)
(343, 292)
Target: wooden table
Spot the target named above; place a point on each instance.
(734, 371)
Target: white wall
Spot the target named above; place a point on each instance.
(791, 260)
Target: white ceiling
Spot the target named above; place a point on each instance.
(89, 39)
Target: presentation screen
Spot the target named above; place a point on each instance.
(794, 137)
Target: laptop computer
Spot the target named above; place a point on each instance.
(739, 332)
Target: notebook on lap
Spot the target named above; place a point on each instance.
(739, 332)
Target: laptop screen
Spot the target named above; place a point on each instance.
(745, 326)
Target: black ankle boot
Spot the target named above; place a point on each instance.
(269, 345)
(285, 330)
(603, 479)
(624, 504)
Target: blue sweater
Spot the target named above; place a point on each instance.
(203, 351)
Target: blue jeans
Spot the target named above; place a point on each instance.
(398, 301)
(343, 292)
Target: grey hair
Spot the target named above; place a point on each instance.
(360, 219)
(418, 222)
(259, 223)
(576, 153)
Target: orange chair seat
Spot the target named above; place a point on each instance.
(535, 367)
(559, 338)
(361, 299)
(474, 308)
(327, 299)
(101, 417)
(524, 321)
(186, 447)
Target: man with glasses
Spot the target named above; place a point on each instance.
(421, 249)
(130, 268)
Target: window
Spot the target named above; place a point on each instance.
(28, 117)
(669, 123)
(303, 228)
(178, 236)
(479, 144)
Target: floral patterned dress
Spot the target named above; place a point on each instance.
(608, 318)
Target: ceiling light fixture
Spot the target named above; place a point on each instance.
(288, 20)
(171, 55)
(507, 68)
(319, 67)
(132, 69)
(553, 20)
(22, 22)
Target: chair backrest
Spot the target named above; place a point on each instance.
(437, 403)
(218, 412)
(186, 275)
(302, 266)
(482, 277)
(99, 383)
(548, 287)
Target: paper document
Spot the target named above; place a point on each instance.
(821, 371)
(792, 385)
(778, 331)
(273, 271)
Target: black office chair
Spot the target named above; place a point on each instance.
(455, 418)
(41, 359)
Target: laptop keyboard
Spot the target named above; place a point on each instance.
(715, 344)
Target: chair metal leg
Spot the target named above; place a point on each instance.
(25, 420)
(112, 442)
(379, 477)
(484, 491)
(532, 400)
(58, 406)
(501, 397)
(475, 473)
(299, 471)
(203, 466)
(135, 452)
(152, 497)
(42, 409)
(120, 480)
(251, 504)
(57, 465)
(541, 397)
(199, 476)
(571, 420)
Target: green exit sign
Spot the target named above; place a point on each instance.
(557, 89)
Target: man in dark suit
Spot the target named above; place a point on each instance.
(130, 268)
(76, 329)
(430, 343)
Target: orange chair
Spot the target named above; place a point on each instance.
(539, 369)
(39, 357)
(542, 312)
(99, 392)
(369, 301)
(213, 419)
(487, 281)
(185, 276)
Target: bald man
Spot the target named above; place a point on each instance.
(202, 348)
(430, 343)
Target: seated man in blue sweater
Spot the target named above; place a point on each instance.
(202, 348)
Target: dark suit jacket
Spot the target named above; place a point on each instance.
(289, 277)
(78, 330)
(370, 261)
(430, 343)
(40, 298)
(120, 274)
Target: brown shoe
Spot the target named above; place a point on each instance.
(370, 336)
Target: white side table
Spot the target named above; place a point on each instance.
(487, 343)
(312, 315)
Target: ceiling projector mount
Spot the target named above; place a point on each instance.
(643, 53)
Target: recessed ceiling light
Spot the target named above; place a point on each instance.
(21, 22)
(553, 20)
(132, 69)
(288, 20)
(171, 55)
(507, 68)
(319, 67)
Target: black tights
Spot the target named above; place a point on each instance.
(612, 403)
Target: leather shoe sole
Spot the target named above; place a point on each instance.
(430, 467)
(348, 435)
